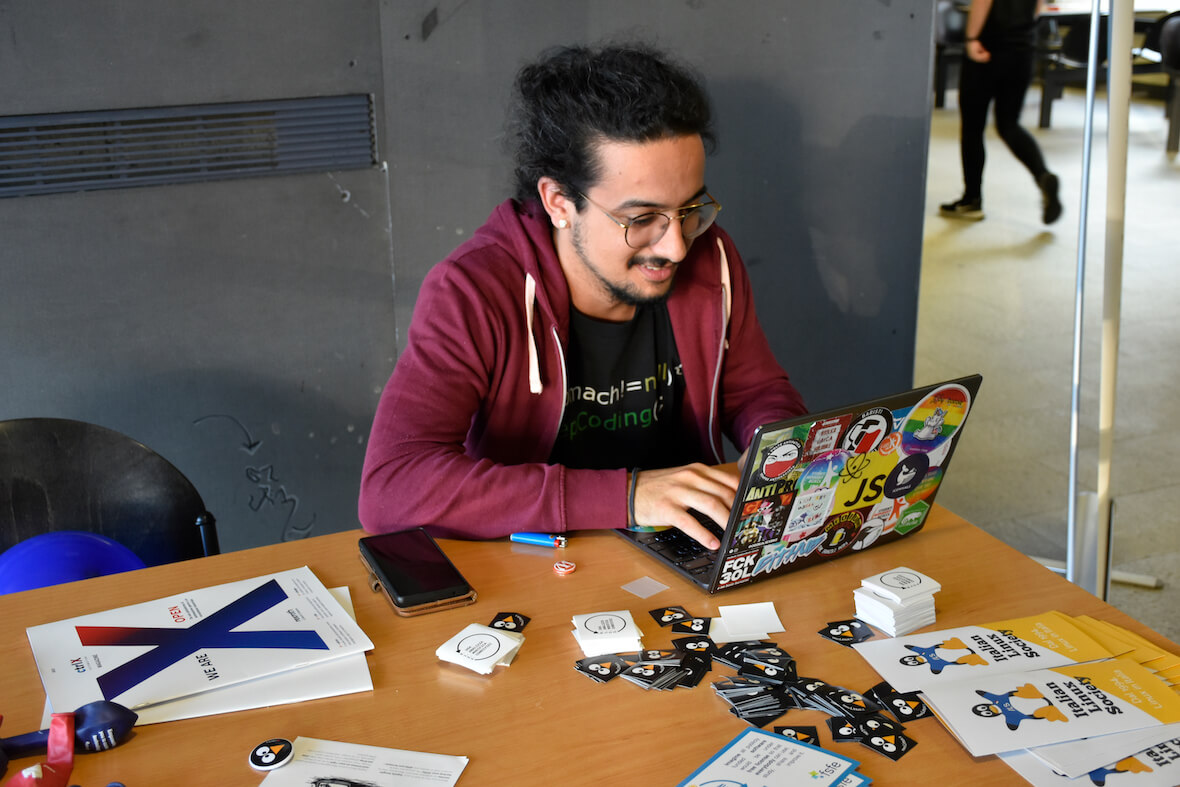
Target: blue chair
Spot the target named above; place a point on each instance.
(63, 475)
(62, 556)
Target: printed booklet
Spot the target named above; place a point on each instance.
(1156, 766)
(1017, 710)
(192, 642)
(345, 675)
(1077, 758)
(919, 661)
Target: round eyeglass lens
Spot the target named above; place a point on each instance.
(650, 227)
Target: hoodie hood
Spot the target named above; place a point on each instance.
(523, 232)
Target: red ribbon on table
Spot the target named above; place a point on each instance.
(55, 771)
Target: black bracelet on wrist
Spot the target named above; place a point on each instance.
(969, 40)
(631, 496)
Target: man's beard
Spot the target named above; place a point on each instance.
(625, 293)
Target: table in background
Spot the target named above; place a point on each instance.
(540, 722)
(1083, 7)
(1063, 58)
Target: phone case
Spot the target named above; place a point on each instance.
(417, 609)
(420, 609)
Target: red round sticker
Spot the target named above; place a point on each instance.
(564, 567)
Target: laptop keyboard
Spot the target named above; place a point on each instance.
(681, 549)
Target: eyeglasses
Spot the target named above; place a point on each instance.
(647, 228)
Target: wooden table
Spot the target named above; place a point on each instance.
(540, 722)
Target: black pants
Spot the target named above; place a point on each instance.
(1005, 81)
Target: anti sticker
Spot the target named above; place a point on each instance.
(867, 431)
(780, 458)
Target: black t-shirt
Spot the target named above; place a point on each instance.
(1011, 26)
(623, 394)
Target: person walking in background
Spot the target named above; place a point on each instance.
(1001, 50)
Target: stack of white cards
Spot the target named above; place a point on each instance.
(737, 622)
(607, 632)
(897, 601)
(481, 648)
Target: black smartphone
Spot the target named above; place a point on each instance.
(414, 573)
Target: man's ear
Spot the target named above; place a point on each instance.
(559, 207)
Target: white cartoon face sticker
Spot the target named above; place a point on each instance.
(780, 459)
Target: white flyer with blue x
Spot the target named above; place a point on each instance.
(193, 642)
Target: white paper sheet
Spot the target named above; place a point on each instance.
(332, 762)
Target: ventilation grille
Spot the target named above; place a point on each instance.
(83, 151)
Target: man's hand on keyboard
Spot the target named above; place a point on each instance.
(663, 497)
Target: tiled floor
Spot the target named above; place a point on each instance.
(998, 297)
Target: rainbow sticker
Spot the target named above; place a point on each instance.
(935, 420)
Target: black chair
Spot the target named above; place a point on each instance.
(58, 474)
(1065, 59)
(950, 40)
(1164, 39)
(1149, 50)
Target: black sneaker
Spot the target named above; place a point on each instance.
(1050, 204)
(969, 209)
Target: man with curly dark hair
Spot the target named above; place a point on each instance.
(577, 362)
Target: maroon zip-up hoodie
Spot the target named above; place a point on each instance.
(466, 424)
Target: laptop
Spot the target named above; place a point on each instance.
(822, 486)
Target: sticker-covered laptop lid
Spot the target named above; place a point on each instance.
(831, 484)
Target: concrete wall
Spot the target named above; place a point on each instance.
(244, 328)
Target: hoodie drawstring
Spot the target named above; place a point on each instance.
(725, 289)
(530, 296)
(727, 307)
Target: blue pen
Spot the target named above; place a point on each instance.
(540, 539)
